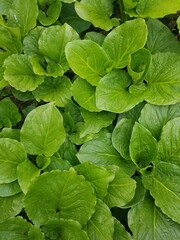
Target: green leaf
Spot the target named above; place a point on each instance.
(19, 73)
(24, 15)
(43, 131)
(99, 177)
(64, 229)
(10, 133)
(101, 224)
(97, 12)
(147, 221)
(12, 153)
(94, 122)
(124, 40)
(84, 94)
(59, 36)
(58, 163)
(143, 146)
(51, 15)
(112, 92)
(101, 152)
(18, 228)
(155, 117)
(88, 60)
(9, 115)
(60, 195)
(169, 144)
(178, 23)
(121, 190)
(156, 8)
(68, 15)
(57, 90)
(164, 186)
(121, 136)
(26, 172)
(9, 189)
(95, 36)
(11, 206)
(163, 79)
(139, 65)
(160, 38)
(120, 232)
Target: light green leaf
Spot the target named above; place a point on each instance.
(19, 73)
(169, 144)
(26, 172)
(143, 146)
(43, 131)
(12, 153)
(112, 93)
(160, 38)
(101, 152)
(94, 122)
(42, 161)
(119, 232)
(88, 60)
(57, 90)
(9, 189)
(121, 136)
(147, 221)
(64, 229)
(99, 177)
(163, 81)
(59, 36)
(60, 195)
(51, 15)
(178, 23)
(139, 65)
(97, 12)
(95, 36)
(68, 15)
(18, 228)
(101, 224)
(157, 8)
(5, 5)
(11, 206)
(124, 40)
(164, 186)
(121, 190)
(9, 115)
(24, 15)
(84, 94)
(155, 117)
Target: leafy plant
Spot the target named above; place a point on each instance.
(89, 120)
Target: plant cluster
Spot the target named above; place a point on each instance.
(89, 120)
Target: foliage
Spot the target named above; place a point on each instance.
(89, 120)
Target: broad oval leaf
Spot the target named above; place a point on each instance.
(18, 228)
(169, 144)
(84, 94)
(19, 73)
(65, 229)
(98, 176)
(121, 190)
(12, 153)
(124, 40)
(101, 224)
(60, 195)
(9, 114)
(43, 131)
(88, 60)
(163, 81)
(9, 189)
(147, 221)
(143, 146)
(154, 117)
(57, 90)
(11, 206)
(59, 36)
(164, 186)
(112, 93)
(101, 152)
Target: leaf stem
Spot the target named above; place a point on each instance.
(123, 16)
